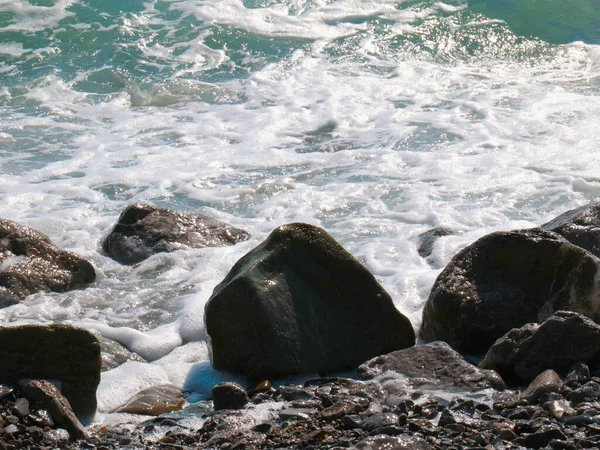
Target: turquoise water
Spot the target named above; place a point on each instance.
(376, 120)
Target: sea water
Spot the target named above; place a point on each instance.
(376, 120)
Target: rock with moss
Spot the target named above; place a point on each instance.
(30, 263)
(300, 303)
(505, 280)
(63, 353)
(144, 230)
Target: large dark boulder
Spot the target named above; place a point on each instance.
(30, 263)
(559, 342)
(432, 366)
(580, 226)
(54, 352)
(300, 303)
(143, 230)
(507, 279)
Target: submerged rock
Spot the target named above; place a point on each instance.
(428, 239)
(300, 303)
(562, 340)
(55, 352)
(154, 401)
(114, 353)
(432, 366)
(30, 263)
(505, 280)
(143, 230)
(580, 226)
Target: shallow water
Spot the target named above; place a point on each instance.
(375, 120)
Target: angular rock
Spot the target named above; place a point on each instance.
(505, 280)
(144, 230)
(300, 303)
(340, 409)
(229, 395)
(114, 354)
(562, 340)
(432, 366)
(30, 263)
(56, 352)
(154, 401)
(57, 405)
(546, 382)
(580, 226)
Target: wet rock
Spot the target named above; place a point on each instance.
(114, 354)
(21, 407)
(578, 374)
(545, 347)
(57, 405)
(144, 230)
(505, 280)
(57, 352)
(30, 263)
(446, 418)
(432, 366)
(402, 442)
(56, 437)
(300, 303)
(559, 409)
(542, 437)
(376, 421)
(297, 413)
(154, 401)
(291, 393)
(580, 226)
(589, 392)
(428, 239)
(340, 409)
(546, 382)
(229, 395)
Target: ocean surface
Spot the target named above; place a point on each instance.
(376, 120)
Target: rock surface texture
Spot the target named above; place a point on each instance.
(55, 352)
(562, 340)
(505, 280)
(30, 263)
(579, 226)
(432, 366)
(154, 401)
(300, 303)
(143, 230)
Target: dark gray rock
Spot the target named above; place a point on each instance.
(446, 418)
(562, 340)
(57, 352)
(57, 405)
(505, 280)
(580, 226)
(340, 409)
(432, 366)
(154, 401)
(21, 407)
(545, 383)
(589, 392)
(144, 230)
(30, 263)
(578, 374)
(229, 395)
(300, 303)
